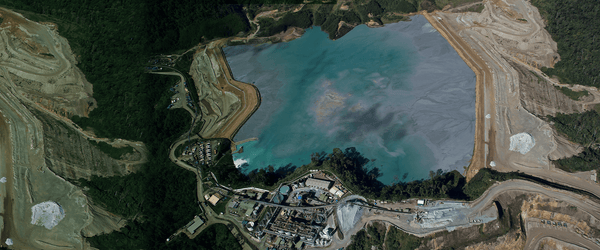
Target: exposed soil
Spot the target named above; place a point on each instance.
(72, 156)
(40, 88)
(498, 41)
(540, 97)
(231, 102)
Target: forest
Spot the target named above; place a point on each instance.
(376, 235)
(361, 178)
(581, 128)
(111, 151)
(574, 26)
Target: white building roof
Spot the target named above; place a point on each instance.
(312, 182)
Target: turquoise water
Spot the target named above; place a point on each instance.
(367, 90)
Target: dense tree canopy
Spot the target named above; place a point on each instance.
(575, 27)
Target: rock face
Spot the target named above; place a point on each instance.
(71, 156)
(540, 97)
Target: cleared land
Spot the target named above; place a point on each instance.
(225, 103)
(40, 87)
(504, 47)
(498, 37)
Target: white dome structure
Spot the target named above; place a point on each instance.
(47, 214)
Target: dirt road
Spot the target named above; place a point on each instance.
(6, 169)
(486, 41)
(477, 207)
(182, 93)
(536, 235)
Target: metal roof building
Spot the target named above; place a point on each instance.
(318, 183)
(194, 224)
(214, 199)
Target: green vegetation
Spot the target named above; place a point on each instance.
(583, 129)
(522, 20)
(483, 180)
(375, 234)
(217, 237)
(365, 239)
(352, 168)
(587, 160)
(477, 8)
(575, 26)
(575, 95)
(398, 239)
(111, 151)
(580, 128)
(401, 6)
(221, 205)
(301, 19)
(112, 42)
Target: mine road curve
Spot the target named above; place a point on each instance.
(485, 201)
(46, 40)
(535, 235)
(185, 106)
(67, 122)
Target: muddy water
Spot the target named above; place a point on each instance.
(399, 94)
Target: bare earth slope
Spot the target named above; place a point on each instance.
(225, 103)
(501, 40)
(40, 87)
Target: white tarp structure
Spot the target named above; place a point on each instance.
(8, 241)
(521, 142)
(3, 180)
(47, 214)
(492, 164)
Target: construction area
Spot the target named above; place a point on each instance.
(40, 87)
(499, 46)
(225, 103)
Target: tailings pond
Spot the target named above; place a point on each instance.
(399, 94)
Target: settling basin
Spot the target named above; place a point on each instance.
(399, 94)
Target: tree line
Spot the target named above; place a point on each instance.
(575, 27)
